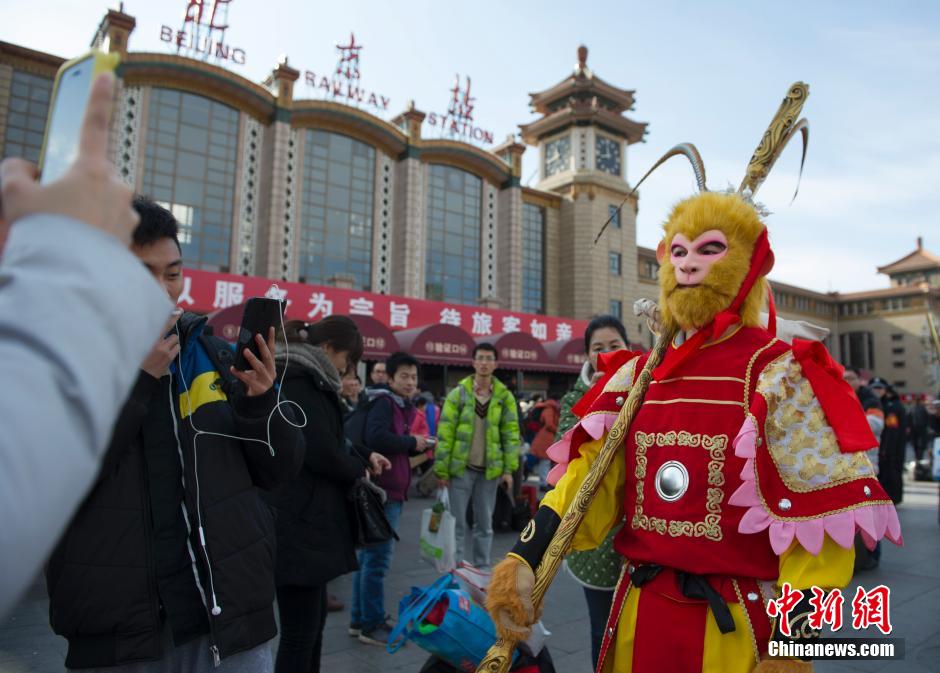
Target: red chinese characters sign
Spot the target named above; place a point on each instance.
(344, 81)
(205, 292)
(202, 34)
(459, 118)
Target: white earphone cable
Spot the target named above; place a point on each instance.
(216, 608)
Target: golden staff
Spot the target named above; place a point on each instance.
(499, 656)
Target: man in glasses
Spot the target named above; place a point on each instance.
(478, 448)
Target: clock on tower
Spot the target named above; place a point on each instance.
(557, 156)
(607, 155)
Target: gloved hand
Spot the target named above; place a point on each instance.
(783, 666)
(647, 308)
(509, 599)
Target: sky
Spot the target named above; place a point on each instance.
(710, 73)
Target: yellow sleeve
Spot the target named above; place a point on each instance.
(831, 568)
(606, 510)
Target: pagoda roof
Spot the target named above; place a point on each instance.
(917, 260)
(582, 84)
(583, 98)
(581, 113)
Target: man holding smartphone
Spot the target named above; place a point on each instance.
(168, 564)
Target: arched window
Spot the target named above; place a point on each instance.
(452, 266)
(189, 167)
(336, 220)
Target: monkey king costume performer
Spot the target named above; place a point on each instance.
(743, 469)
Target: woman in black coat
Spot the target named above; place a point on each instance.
(893, 440)
(315, 543)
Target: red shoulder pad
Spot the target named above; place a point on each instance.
(839, 402)
(609, 364)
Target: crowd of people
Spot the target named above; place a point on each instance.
(896, 426)
(184, 500)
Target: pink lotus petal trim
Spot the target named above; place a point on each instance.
(556, 473)
(560, 450)
(747, 472)
(755, 520)
(873, 522)
(810, 534)
(745, 443)
(893, 530)
(745, 496)
(781, 536)
(865, 520)
(841, 528)
(594, 425)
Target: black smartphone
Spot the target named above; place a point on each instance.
(261, 314)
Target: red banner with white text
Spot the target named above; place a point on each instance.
(205, 292)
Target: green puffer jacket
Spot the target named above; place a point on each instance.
(597, 568)
(455, 432)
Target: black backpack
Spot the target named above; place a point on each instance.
(222, 357)
(354, 425)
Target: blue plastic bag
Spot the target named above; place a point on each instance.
(462, 638)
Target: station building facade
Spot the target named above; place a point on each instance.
(323, 193)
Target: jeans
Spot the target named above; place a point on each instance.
(368, 598)
(472, 487)
(598, 602)
(543, 467)
(303, 615)
(195, 657)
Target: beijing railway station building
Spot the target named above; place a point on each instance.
(432, 244)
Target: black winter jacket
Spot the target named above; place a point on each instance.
(314, 527)
(128, 561)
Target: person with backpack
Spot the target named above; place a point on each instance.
(315, 541)
(545, 436)
(169, 562)
(478, 449)
(384, 425)
(532, 421)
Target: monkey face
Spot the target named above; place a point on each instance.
(705, 256)
(692, 260)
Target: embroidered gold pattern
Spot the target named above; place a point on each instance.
(750, 367)
(528, 533)
(622, 380)
(710, 526)
(803, 445)
(692, 400)
(747, 617)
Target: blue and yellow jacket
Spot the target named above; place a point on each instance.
(131, 550)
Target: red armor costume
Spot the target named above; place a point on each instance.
(744, 468)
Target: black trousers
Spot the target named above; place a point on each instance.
(599, 603)
(303, 615)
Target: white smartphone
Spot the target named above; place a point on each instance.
(67, 110)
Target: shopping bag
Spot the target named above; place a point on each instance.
(936, 458)
(474, 581)
(438, 538)
(443, 620)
